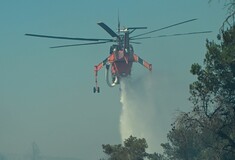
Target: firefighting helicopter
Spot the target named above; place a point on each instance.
(121, 55)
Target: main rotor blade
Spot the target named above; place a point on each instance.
(107, 29)
(68, 38)
(181, 34)
(135, 42)
(81, 44)
(165, 27)
(137, 28)
(172, 35)
(139, 38)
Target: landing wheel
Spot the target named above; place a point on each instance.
(96, 89)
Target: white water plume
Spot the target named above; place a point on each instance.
(139, 115)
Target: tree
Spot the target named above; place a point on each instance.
(230, 6)
(208, 131)
(133, 149)
(213, 95)
(184, 139)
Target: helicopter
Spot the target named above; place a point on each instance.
(121, 54)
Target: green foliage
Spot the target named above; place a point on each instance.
(133, 149)
(208, 131)
(156, 156)
(116, 152)
(184, 139)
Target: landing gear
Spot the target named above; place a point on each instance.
(96, 89)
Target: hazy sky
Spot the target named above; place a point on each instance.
(46, 94)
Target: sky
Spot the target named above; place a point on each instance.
(46, 95)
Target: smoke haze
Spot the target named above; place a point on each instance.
(141, 116)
